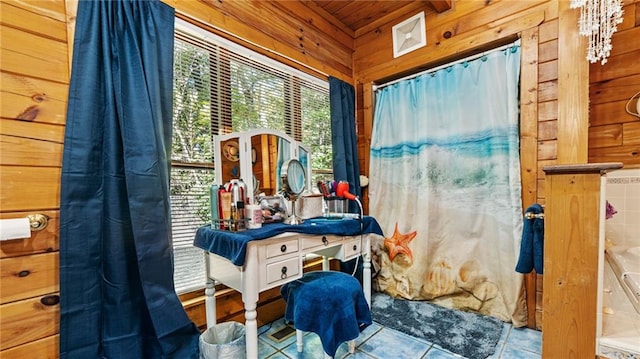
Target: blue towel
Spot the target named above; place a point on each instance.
(233, 245)
(532, 244)
(330, 304)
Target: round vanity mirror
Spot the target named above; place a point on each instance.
(294, 178)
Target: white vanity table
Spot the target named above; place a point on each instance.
(278, 259)
(256, 260)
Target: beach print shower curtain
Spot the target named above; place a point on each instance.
(445, 186)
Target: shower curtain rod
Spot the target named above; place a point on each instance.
(434, 69)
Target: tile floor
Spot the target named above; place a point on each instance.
(377, 342)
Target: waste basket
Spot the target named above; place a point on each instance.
(223, 340)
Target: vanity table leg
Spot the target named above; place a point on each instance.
(251, 328)
(250, 295)
(210, 299)
(366, 269)
(325, 263)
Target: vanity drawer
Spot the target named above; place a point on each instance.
(352, 248)
(282, 248)
(318, 241)
(280, 271)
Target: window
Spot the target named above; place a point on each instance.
(221, 87)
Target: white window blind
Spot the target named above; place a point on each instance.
(221, 87)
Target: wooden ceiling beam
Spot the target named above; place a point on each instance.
(441, 5)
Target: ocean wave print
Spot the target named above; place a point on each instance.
(481, 144)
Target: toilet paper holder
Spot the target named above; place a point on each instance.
(22, 228)
(38, 221)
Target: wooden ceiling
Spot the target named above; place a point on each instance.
(356, 14)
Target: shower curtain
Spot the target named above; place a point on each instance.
(445, 186)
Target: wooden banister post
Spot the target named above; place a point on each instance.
(571, 254)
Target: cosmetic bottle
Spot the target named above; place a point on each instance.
(224, 207)
(213, 205)
(240, 216)
(234, 218)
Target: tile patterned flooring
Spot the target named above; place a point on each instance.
(377, 342)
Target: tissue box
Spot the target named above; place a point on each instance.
(309, 206)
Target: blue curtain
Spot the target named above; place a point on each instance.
(345, 150)
(445, 186)
(117, 298)
(344, 137)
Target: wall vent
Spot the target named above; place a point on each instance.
(409, 35)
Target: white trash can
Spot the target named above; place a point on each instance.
(223, 340)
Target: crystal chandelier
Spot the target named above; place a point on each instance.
(599, 20)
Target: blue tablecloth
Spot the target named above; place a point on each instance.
(233, 245)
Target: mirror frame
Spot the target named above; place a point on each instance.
(289, 176)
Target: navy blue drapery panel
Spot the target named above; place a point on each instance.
(344, 137)
(117, 298)
(345, 151)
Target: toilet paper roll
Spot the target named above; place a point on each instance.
(15, 228)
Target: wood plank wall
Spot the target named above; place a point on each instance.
(35, 79)
(287, 31)
(614, 135)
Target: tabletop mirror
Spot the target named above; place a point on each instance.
(294, 178)
(257, 157)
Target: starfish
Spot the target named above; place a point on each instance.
(399, 244)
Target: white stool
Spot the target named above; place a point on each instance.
(300, 346)
(334, 299)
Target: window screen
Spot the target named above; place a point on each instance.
(221, 87)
